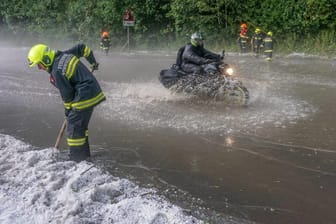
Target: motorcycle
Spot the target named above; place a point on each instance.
(218, 82)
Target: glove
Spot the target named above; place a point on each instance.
(208, 61)
(66, 112)
(94, 66)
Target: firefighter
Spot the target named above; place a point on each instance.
(256, 42)
(78, 88)
(105, 42)
(268, 46)
(243, 38)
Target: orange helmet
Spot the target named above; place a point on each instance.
(105, 34)
(243, 25)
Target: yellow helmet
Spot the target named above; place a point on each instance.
(41, 53)
(258, 30)
(269, 33)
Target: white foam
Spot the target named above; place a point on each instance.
(39, 187)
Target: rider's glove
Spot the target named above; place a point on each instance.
(208, 61)
(94, 66)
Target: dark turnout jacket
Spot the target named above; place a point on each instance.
(105, 42)
(78, 87)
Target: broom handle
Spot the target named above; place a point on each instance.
(60, 134)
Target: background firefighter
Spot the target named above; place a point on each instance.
(243, 38)
(105, 42)
(268, 46)
(256, 42)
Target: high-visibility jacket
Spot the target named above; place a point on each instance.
(78, 87)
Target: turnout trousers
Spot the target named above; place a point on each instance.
(78, 135)
(268, 54)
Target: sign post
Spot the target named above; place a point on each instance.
(128, 20)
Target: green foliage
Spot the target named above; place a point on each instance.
(299, 24)
(152, 23)
(320, 15)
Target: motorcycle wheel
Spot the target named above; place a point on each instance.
(238, 95)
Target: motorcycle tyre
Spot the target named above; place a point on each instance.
(239, 95)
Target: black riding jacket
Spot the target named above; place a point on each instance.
(78, 87)
(193, 57)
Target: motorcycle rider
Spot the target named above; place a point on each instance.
(195, 57)
(78, 87)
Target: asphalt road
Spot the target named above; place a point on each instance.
(270, 162)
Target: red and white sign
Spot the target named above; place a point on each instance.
(128, 19)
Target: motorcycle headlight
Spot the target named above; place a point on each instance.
(229, 71)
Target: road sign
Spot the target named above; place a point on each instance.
(128, 19)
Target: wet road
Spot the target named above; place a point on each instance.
(271, 162)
